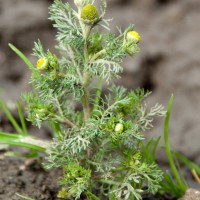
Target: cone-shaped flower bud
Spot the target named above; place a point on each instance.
(133, 36)
(89, 14)
(119, 127)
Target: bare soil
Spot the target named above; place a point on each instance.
(32, 180)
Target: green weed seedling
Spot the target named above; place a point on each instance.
(98, 138)
(174, 182)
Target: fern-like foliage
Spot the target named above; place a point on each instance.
(100, 140)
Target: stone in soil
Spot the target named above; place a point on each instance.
(191, 194)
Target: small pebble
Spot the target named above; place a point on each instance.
(191, 194)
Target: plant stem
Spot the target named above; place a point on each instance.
(86, 80)
(98, 93)
(100, 81)
(195, 175)
(69, 123)
(64, 120)
(86, 96)
(95, 56)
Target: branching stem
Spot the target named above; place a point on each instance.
(69, 123)
(95, 56)
(64, 120)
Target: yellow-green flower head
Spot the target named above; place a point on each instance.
(133, 36)
(119, 128)
(42, 63)
(89, 14)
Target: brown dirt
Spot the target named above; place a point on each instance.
(33, 181)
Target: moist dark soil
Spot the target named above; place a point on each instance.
(32, 180)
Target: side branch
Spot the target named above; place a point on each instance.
(69, 123)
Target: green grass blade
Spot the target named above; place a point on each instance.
(21, 116)
(149, 149)
(18, 140)
(90, 195)
(10, 117)
(56, 127)
(175, 172)
(23, 57)
(149, 144)
(155, 147)
(170, 186)
(24, 197)
(187, 162)
(32, 154)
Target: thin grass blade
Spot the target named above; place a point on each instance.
(18, 140)
(155, 147)
(23, 57)
(187, 162)
(22, 120)
(175, 172)
(24, 197)
(10, 117)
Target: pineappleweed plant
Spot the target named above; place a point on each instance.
(98, 138)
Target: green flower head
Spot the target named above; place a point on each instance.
(89, 14)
